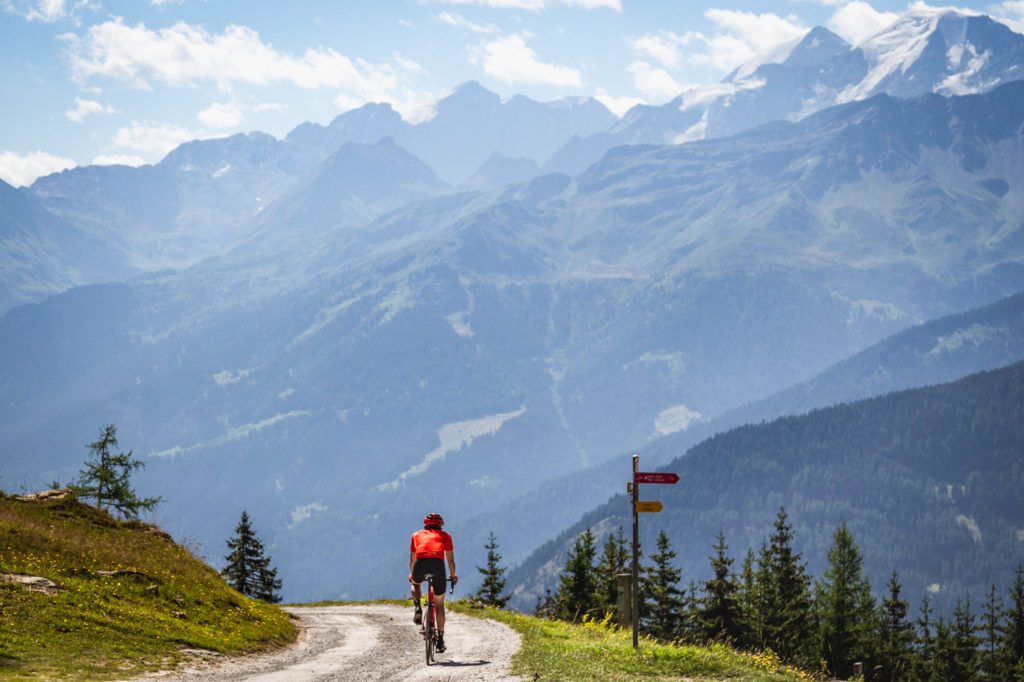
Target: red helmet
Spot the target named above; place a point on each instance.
(433, 520)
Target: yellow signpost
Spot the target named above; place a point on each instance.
(648, 506)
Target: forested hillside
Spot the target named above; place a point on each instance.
(928, 480)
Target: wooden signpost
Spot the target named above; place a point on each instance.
(634, 489)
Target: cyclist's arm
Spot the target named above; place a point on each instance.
(450, 556)
(412, 560)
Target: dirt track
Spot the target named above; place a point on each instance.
(369, 643)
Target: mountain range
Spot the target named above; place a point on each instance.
(927, 50)
(339, 330)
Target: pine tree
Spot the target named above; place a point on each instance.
(785, 593)
(895, 639)
(491, 589)
(845, 605)
(614, 559)
(577, 590)
(721, 616)
(106, 477)
(248, 570)
(663, 602)
(993, 632)
(1011, 650)
(924, 644)
(956, 646)
(751, 601)
(545, 607)
(943, 665)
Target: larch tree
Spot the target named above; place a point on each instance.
(107, 477)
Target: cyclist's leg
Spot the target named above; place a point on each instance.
(414, 588)
(439, 607)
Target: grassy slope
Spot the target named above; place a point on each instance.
(554, 650)
(104, 627)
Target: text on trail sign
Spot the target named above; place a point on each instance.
(649, 506)
(655, 477)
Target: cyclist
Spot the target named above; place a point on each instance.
(428, 550)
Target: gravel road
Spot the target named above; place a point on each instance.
(373, 642)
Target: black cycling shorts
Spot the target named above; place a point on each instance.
(432, 565)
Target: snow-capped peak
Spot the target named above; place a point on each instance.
(899, 47)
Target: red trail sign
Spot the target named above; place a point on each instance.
(655, 477)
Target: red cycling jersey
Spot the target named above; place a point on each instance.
(430, 544)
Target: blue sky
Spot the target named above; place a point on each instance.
(125, 81)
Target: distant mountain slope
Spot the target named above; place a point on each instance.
(466, 127)
(932, 353)
(928, 481)
(42, 254)
(927, 50)
(193, 204)
(352, 187)
(935, 352)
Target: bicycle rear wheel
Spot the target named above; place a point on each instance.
(428, 632)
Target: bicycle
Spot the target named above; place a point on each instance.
(429, 628)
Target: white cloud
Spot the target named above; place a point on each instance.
(21, 170)
(617, 105)
(760, 32)
(663, 47)
(857, 20)
(725, 53)
(738, 38)
(1010, 13)
(184, 54)
(594, 4)
(86, 107)
(270, 106)
(221, 115)
(154, 139)
(654, 83)
(510, 60)
(534, 5)
(38, 10)
(119, 160)
(742, 36)
(459, 21)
